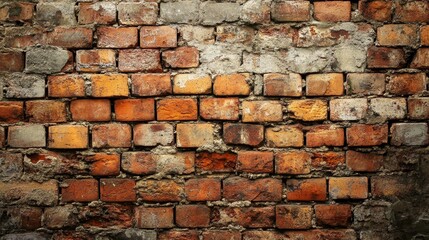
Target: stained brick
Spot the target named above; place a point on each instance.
(192, 84)
(182, 57)
(348, 109)
(285, 85)
(232, 85)
(308, 110)
(259, 190)
(137, 60)
(70, 37)
(114, 85)
(329, 84)
(11, 111)
(384, 57)
(11, 61)
(158, 37)
(406, 83)
(68, 137)
(16, 11)
(219, 108)
(79, 190)
(91, 110)
(293, 162)
(195, 135)
(363, 162)
(367, 135)
(376, 10)
(221, 234)
(135, 109)
(409, 134)
(248, 217)
(43, 111)
(192, 216)
(389, 108)
(160, 190)
(348, 187)
(243, 134)
(216, 162)
(137, 13)
(179, 235)
(117, 190)
(27, 136)
(255, 162)
(338, 215)
(366, 83)
(153, 134)
(327, 160)
(332, 11)
(412, 11)
(111, 135)
(149, 163)
(151, 84)
(34, 193)
(397, 35)
(306, 189)
(95, 60)
(284, 136)
(104, 164)
(154, 217)
(293, 216)
(66, 86)
(203, 189)
(112, 37)
(418, 108)
(290, 11)
(99, 12)
(421, 59)
(325, 135)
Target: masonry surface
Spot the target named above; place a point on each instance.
(203, 120)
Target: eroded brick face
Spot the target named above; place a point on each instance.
(204, 120)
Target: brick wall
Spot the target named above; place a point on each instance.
(243, 120)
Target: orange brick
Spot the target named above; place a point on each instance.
(114, 85)
(68, 136)
(182, 57)
(135, 109)
(407, 83)
(158, 37)
(293, 216)
(99, 12)
(325, 135)
(43, 111)
(154, 217)
(294, 162)
(104, 164)
(262, 111)
(363, 162)
(192, 84)
(376, 10)
(137, 13)
(255, 162)
(179, 235)
(348, 187)
(259, 190)
(367, 135)
(203, 189)
(92, 110)
(219, 108)
(177, 109)
(397, 35)
(221, 234)
(424, 35)
(232, 85)
(11, 61)
(160, 190)
(70, 37)
(290, 11)
(121, 37)
(149, 163)
(2, 137)
(153, 134)
(11, 112)
(332, 11)
(66, 86)
(251, 217)
(327, 160)
(392, 187)
(421, 59)
(306, 189)
(308, 110)
(95, 60)
(284, 85)
(195, 135)
(137, 60)
(111, 135)
(383, 57)
(151, 84)
(418, 108)
(326, 84)
(117, 190)
(79, 190)
(192, 216)
(284, 136)
(243, 134)
(16, 11)
(216, 162)
(338, 215)
(411, 11)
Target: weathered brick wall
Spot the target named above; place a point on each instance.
(257, 119)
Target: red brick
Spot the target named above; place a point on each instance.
(19, 11)
(397, 35)
(195, 135)
(308, 109)
(248, 217)
(22, 217)
(137, 13)
(262, 111)
(97, 13)
(232, 85)
(255, 162)
(221, 235)
(192, 216)
(154, 217)
(117, 190)
(367, 135)
(325, 135)
(376, 10)
(70, 37)
(421, 59)
(158, 37)
(11, 112)
(392, 186)
(181, 57)
(383, 57)
(284, 136)
(27, 136)
(66, 86)
(69, 66)
(177, 109)
(95, 60)
(411, 11)
(348, 187)
(68, 137)
(11, 61)
(363, 162)
(259, 190)
(149, 163)
(294, 162)
(339, 215)
(243, 134)
(111, 135)
(203, 189)
(135, 109)
(104, 164)
(137, 60)
(113, 85)
(33, 193)
(179, 235)
(121, 37)
(343, 234)
(160, 190)
(153, 134)
(293, 216)
(418, 108)
(79, 190)
(91, 110)
(192, 84)
(290, 11)
(219, 108)
(107, 216)
(283, 85)
(407, 83)
(151, 84)
(216, 162)
(327, 160)
(326, 84)
(42, 111)
(332, 11)
(306, 189)
(424, 35)
(21, 37)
